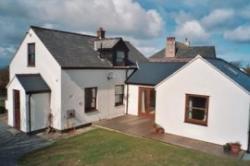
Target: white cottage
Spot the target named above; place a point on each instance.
(66, 80)
(204, 98)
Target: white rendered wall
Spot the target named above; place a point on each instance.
(228, 115)
(46, 65)
(15, 85)
(40, 108)
(133, 99)
(73, 84)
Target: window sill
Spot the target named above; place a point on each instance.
(196, 122)
(90, 111)
(119, 105)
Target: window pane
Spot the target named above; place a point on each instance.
(152, 98)
(198, 114)
(120, 56)
(118, 99)
(198, 102)
(119, 89)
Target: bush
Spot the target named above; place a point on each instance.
(2, 109)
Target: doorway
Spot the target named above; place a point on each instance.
(146, 102)
(16, 106)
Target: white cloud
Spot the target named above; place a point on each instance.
(1, 50)
(148, 51)
(5, 52)
(118, 16)
(240, 34)
(217, 17)
(193, 30)
(182, 16)
(47, 25)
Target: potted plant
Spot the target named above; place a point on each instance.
(235, 148)
(227, 148)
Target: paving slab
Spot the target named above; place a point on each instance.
(14, 144)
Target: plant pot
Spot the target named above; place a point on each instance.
(159, 130)
(235, 148)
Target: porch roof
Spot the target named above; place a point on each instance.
(33, 83)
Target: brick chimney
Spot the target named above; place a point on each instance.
(170, 47)
(100, 33)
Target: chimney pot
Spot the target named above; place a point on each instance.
(187, 42)
(100, 33)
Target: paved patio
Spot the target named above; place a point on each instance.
(142, 127)
(14, 144)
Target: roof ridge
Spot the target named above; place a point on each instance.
(62, 31)
(203, 46)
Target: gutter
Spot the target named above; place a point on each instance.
(127, 93)
(29, 112)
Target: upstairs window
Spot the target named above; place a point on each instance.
(119, 95)
(31, 54)
(90, 99)
(196, 109)
(120, 58)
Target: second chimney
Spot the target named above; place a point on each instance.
(100, 33)
(170, 47)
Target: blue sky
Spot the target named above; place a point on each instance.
(146, 23)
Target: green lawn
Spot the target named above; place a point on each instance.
(106, 148)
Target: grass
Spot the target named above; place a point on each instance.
(105, 148)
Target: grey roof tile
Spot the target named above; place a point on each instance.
(106, 43)
(183, 51)
(75, 50)
(232, 72)
(153, 73)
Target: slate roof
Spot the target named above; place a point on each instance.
(232, 72)
(77, 50)
(183, 51)
(154, 72)
(106, 43)
(33, 83)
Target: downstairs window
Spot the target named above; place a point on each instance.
(90, 99)
(119, 95)
(196, 110)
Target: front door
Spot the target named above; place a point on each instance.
(146, 102)
(16, 97)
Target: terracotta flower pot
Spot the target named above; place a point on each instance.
(235, 148)
(159, 130)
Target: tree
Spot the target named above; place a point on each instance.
(237, 64)
(247, 69)
(4, 79)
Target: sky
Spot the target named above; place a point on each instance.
(145, 23)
